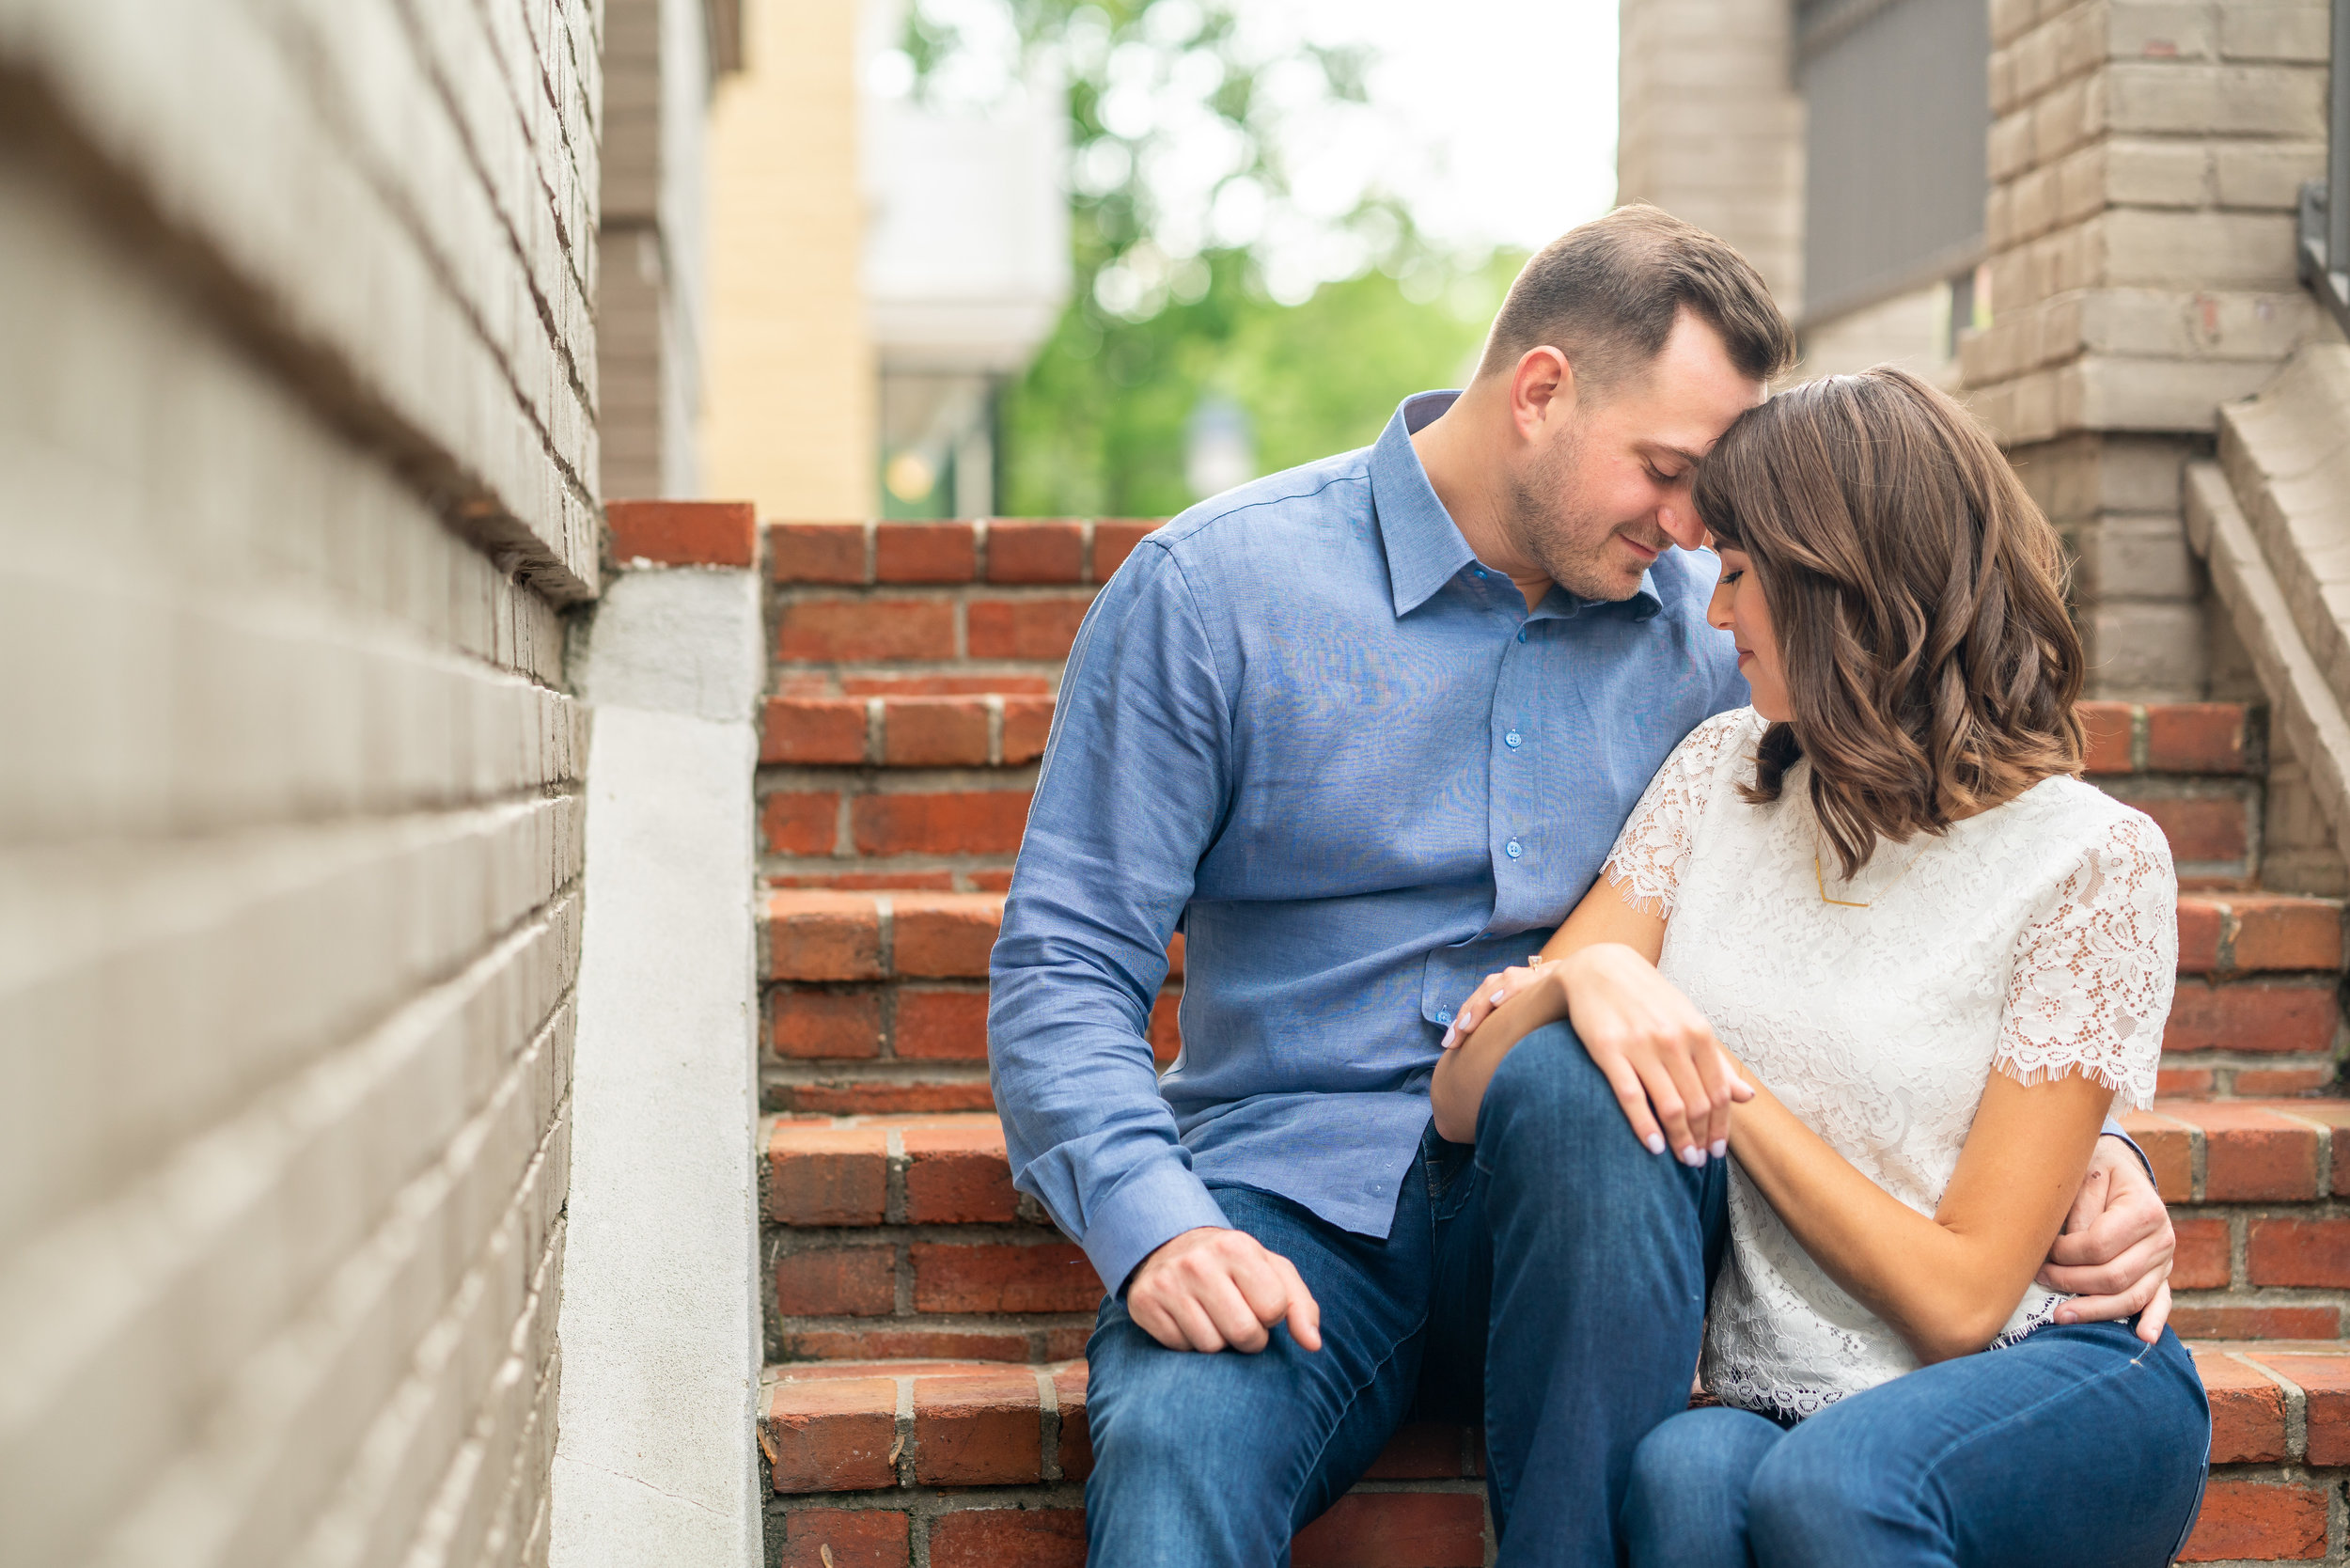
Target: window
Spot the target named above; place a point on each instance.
(1898, 117)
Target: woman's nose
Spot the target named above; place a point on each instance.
(1717, 608)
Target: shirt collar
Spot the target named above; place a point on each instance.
(1424, 546)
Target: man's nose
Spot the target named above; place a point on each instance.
(1681, 525)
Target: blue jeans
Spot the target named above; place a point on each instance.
(1553, 1277)
(2078, 1446)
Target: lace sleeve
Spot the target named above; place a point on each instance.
(2096, 969)
(1646, 864)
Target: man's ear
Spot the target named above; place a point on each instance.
(1542, 392)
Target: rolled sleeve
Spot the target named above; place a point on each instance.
(2115, 1129)
(1131, 790)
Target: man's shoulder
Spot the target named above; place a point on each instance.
(1324, 500)
(1684, 580)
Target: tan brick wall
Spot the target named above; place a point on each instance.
(1910, 330)
(2144, 160)
(1710, 127)
(297, 475)
(791, 409)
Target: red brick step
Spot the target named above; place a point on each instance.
(909, 1441)
(920, 730)
(890, 1233)
(875, 1001)
(893, 1432)
(878, 1004)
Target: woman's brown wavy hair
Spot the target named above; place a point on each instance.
(1918, 598)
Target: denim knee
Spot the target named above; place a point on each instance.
(1549, 1085)
(1816, 1498)
(1686, 1451)
(1157, 1412)
(1685, 1501)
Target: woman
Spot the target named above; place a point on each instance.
(1937, 958)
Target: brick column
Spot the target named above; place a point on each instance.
(1710, 127)
(2144, 161)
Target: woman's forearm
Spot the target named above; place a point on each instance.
(1462, 1074)
(1894, 1260)
(1458, 1088)
(1947, 1282)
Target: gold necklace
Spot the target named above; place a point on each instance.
(1820, 880)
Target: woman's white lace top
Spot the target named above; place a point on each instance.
(2037, 939)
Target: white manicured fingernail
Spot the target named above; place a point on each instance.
(1450, 1035)
(1692, 1156)
(1501, 993)
(1656, 1143)
(1721, 1148)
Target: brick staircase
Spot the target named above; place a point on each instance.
(925, 1397)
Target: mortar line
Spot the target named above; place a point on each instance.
(1048, 1425)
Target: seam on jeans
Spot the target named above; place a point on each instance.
(1983, 1434)
(1314, 1464)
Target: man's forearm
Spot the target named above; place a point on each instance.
(1100, 1152)
(1088, 1133)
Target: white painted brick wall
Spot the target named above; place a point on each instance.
(298, 463)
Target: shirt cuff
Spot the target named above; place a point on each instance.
(2113, 1129)
(1153, 1205)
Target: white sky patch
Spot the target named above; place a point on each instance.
(1492, 122)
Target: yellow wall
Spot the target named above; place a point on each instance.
(788, 412)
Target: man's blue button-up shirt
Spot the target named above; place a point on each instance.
(1304, 726)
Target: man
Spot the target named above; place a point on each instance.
(1365, 731)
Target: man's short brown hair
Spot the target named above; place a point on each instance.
(1605, 295)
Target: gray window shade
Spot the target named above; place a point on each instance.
(1899, 113)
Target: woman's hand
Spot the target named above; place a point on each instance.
(1670, 1074)
(1489, 993)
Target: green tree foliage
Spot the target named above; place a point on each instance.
(1160, 320)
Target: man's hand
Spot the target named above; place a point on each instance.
(1211, 1288)
(2115, 1250)
(1668, 1071)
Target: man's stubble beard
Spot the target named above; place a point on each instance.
(1545, 525)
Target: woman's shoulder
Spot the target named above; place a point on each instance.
(1726, 737)
(2072, 828)
(2066, 806)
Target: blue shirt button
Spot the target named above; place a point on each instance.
(1513, 848)
(1444, 1016)
(1521, 634)
(1512, 739)
(1479, 574)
